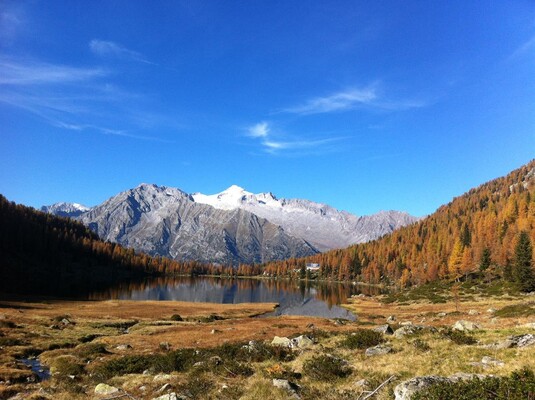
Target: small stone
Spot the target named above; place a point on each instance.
(378, 350)
(65, 321)
(529, 325)
(473, 312)
(282, 384)
(441, 314)
(491, 310)
(169, 396)
(302, 342)
(165, 346)
(103, 389)
(492, 361)
(465, 326)
(198, 364)
(123, 347)
(161, 377)
(384, 329)
(391, 318)
(405, 390)
(214, 331)
(216, 360)
(363, 383)
(405, 323)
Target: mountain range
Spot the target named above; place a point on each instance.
(231, 227)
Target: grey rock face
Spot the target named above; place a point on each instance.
(71, 210)
(319, 224)
(378, 350)
(166, 221)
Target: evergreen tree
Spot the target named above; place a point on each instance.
(485, 260)
(523, 266)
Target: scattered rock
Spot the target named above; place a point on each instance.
(104, 390)
(198, 364)
(123, 347)
(161, 377)
(286, 385)
(405, 390)
(281, 341)
(380, 349)
(169, 396)
(165, 346)
(216, 360)
(66, 322)
(492, 361)
(441, 314)
(529, 325)
(407, 330)
(473, 312)
(213, 331)
(363, 384)
(384, 329)
(491, 310)
(302, 342)
(465, 326)
(405, 323)
(391, 319)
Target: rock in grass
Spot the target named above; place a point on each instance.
(302, 342)
(378, 350)
(103, 389)
(516, 341)
(281, 341)
(407, 330)
(405, 390)
(465, 326)
(384, 329)
(492, 361)
(169, 396)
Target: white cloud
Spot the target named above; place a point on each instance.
(523, 48)
(336, 102)
(16, 73)
(351, 99)
(104, 48)
(275, 145)
(259, 130)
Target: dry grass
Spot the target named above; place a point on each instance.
(38, 326)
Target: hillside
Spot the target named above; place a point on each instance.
(447, 244)
(57, 255)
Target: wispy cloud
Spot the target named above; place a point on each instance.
(336, 102)
(523, 48)
(68, 97)
(351, 99)
(104, 48)
(277, 143)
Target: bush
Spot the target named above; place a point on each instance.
(7, 341)
(65, 366)
(7, 324)
(458, 337)
(519, 386)
(176, 317)
(420, 345)
(516, 310)
(326, 367)
(362, 339)
(90, 350)
(196, 387)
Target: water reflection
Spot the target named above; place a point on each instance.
(294, 298)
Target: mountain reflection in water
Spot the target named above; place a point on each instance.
(294, 298)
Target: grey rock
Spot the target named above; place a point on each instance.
(441, 314)
(169, 396)
(473, 312)
(491, 310)
(123, 347)
(302, 342)
(378, 350)
(516, 341)
(168, 222)
(362, 383)
(282, 384)
(405, 390)
(530, 325)
(281, 341)
(406, 323)
(103, 389)
(391, 318)
(407, 331)
(384, 329)
(165, 387)
(162, 377)
(492, 361)
(465, 326)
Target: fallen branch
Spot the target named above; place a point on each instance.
(370, 394)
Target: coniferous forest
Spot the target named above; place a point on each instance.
(477, 233)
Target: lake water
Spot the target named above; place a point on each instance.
(294, 298)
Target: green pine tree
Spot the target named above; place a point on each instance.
(523, 264)
(485, 260)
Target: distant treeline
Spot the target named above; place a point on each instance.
(477, 233)
(40, 251)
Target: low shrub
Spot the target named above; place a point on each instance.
(66, 365)
(421, 345)
(362, 339)
(176, 317)
(326, 367)
(90, 350)
(61, 345)
(516, 310)
(458, 337)
(196, 387)
(7, 341)
(7, 324)
(520, 385)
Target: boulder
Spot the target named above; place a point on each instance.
(281, 341)
(441, 314)
(302, 342)
(491, 310)
(492, 361)
(378, 350)
(516, 341)
(473, 312)
(169, 396)
(391, 319)
(103, 389)
(161, 377)
(407, 330)
(405, 390)
(282, 384)
(529, 325)
(465, 326)
(384, 329)
(123, 347)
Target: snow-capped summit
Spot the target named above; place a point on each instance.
(319, 224)
(65, 209)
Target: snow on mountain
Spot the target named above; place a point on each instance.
(319, 224)
(65, 209)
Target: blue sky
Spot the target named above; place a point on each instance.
(362, 105)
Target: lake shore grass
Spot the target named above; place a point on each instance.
(78, 340)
